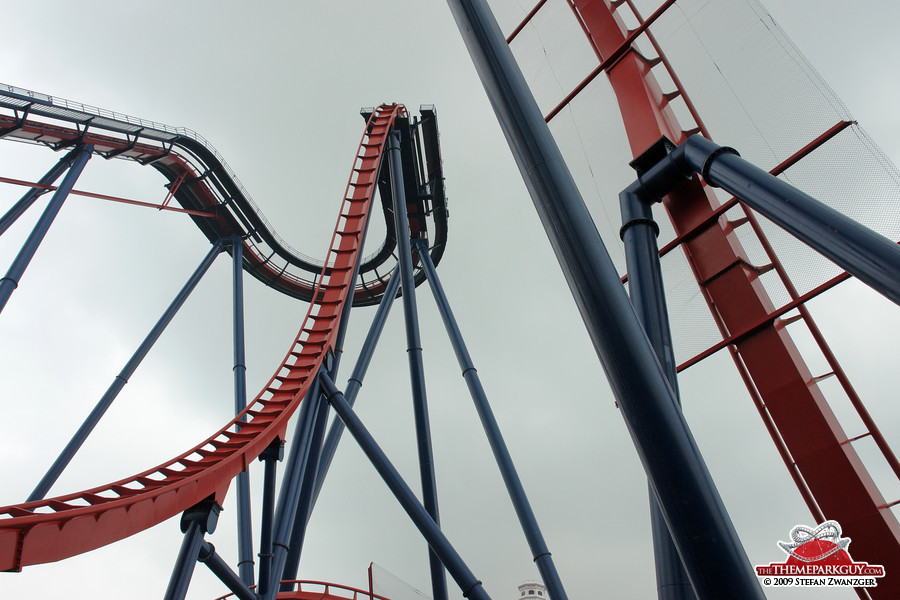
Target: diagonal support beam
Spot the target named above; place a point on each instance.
(539, 550)
(356, 378)
(10, 281)
(471, 587)
(122, 378)
(19, 208)
(196, 522)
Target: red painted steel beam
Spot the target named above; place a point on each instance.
(609, 57)
(22, 182)
(766, 321)
(320, 590)
(826, 461)
(525, 21)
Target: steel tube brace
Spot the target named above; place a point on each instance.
(865, 254)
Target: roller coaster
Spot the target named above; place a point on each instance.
(49, 530)
(398, 162)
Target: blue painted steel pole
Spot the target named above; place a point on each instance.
(471, 587)
(19, 208)
(414, 356)
(700, 525)
(304, 502)
(196, 522)
(539, 550)
(355, 382)
(270, 457)
(645, 286)
(865, 254)
(289, 497)
(122, 378)
(208, 556)
(184, 564)
(245, 522)
(11, 280)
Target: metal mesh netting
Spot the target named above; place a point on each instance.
(388, 585)
(753, 88)
(754, 91)
(554, 54)
(850, 173)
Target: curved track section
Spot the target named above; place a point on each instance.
(320, 590)
(200, 179)
(54, 529)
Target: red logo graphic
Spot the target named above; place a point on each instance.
(823, 544)
(819, 557)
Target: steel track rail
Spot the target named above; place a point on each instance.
(57, 528)
(200, 179)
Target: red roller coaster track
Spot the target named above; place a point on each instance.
(201, 181)
(57, 528)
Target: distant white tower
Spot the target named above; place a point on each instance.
(532, 590)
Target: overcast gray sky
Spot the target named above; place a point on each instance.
(276, 88)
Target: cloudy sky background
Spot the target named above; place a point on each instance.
(276, 88)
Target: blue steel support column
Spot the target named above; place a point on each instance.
(304, 501)
(196, 522)
(270, 456)
(11, 280)
(355, 382)
(645, 285)
(539, 550)
(471, 587)
(872, 258)
(414, 355)
(694, 511)
(19, 208)
(289, 495)
(245, 523)
(122, 378)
